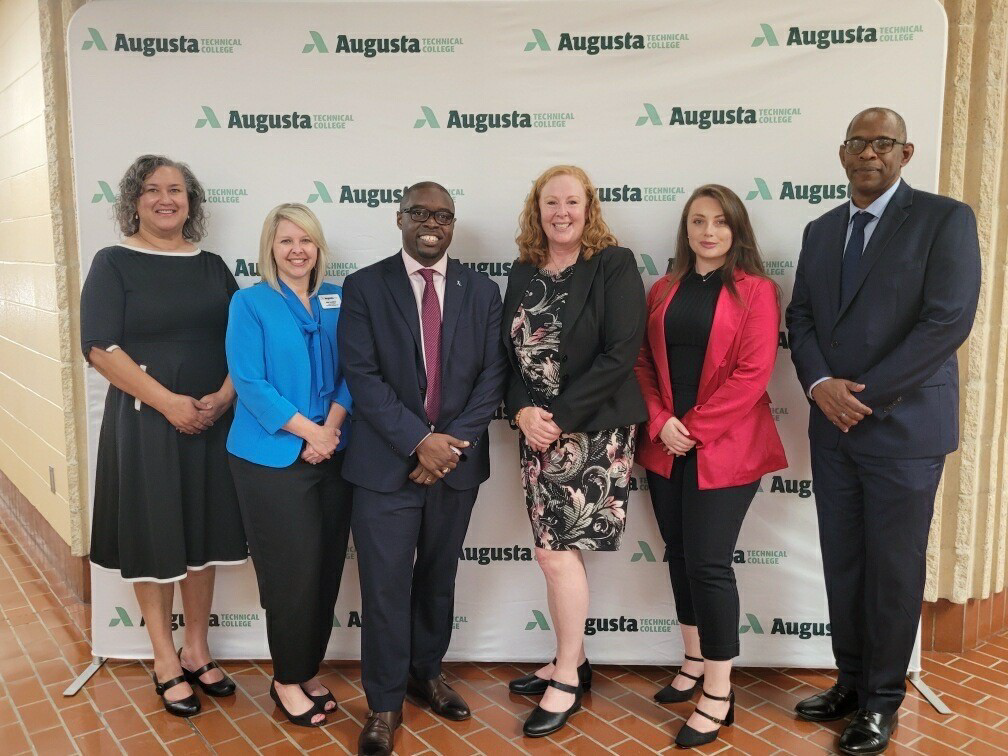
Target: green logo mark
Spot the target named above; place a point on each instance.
(106, 194)
(754, 625)
(317, 44)
(762, 191)
(335, 622)
(321, 193)
(768, 36)
(428, 119)
(539, 41)
(538, 621)
(650, 116)
(123, 618)
(645, 553)
(96, 41)
(651, 269)
(209, 118)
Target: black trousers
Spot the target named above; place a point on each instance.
(408, 544)
(297, 521)
(700, 529)
(874, 518)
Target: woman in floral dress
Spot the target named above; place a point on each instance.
(574, 316)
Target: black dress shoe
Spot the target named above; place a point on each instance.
(533, 685)
(223, 687)
(868, 733)
(378, 735)
(541, 722)
(672, 694)
(690, 738)
(443, 701)
(186, 707)
(835, 703)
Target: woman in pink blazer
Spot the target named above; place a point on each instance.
(704, 367)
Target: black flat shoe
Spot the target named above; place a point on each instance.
(186, 707)
(690, 738)
(533, 685)
(671, 694)
(868, 733)
(302, 720)
(321, 699)
(541, 722)
(223, 687)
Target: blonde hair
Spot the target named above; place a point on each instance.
(304, 219)
(531, 239)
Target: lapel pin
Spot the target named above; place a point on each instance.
(458, 282)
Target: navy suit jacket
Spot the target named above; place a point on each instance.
(912, 307)
(381, 351)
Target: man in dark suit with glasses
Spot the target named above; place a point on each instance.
(885, 292)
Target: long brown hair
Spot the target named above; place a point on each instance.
(743, 255)
(531, 239)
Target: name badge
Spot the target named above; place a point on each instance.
(329, 301)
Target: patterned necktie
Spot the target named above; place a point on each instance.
(852, 255)
(430, 316)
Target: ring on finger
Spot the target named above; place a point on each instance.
(444, 471)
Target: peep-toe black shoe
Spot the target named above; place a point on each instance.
(670, 694)
(223, 687)
(690, 738)
(321, 699)
(533, 685)
(302, 720)
(185, 707)
(541, 722)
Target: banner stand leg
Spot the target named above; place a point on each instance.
(83, 677)
(929, 695)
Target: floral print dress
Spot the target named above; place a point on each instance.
(577, 490)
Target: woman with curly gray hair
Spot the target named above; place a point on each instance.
(154, 311)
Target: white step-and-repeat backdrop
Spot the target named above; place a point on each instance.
(342, 105)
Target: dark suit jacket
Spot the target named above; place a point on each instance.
(603, 327)
(913, 305)
(381, 349)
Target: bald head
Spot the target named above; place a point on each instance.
(406, 200)
(894, 119)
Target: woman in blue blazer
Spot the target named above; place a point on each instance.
(286, 441)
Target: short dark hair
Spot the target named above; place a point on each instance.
(131, 187)
(404, 202)
(901, 128)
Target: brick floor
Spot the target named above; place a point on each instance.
(43, 645)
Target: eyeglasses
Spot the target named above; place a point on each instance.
(880, 145)
(421, 214)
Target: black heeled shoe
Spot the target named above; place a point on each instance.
(185, 707)
(321, 699)
(670, 694)
(223, 687)
(533, 685)
(690, 738)
(302, 720)
(541, 722)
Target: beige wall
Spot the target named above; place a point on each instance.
(33, 420)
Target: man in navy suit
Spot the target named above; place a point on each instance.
(419, 335)
(885, 292)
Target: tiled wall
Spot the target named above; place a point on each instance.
(32, 420)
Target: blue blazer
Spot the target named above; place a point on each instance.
(913, 306)
(271, 373)
(380, 344)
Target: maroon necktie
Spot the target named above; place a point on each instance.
(430, 316)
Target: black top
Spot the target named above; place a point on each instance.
(688, 322)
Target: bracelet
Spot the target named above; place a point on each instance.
(518, 415)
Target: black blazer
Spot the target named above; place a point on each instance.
(916, 295)
(603, 327)
(380, 351)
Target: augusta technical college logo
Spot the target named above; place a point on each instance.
(370, 47)
(645, 553)
(795, 486)
(594, 44)
(151, 46)
(705, 118)
(215, 195)
(483, 122)
(261, 123)
(781, 626)
(823, 39)
(122, 618)
(811, 193)
(628, 193)
(244, 268)
(484, 555)
(371, 197)
(621, 624)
